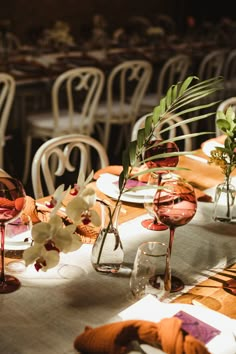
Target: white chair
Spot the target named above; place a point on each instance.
(61, 150)
(212, 64)
(7, 94)
(223, 106)
(175, 69)
(74, 98)
(168, 128)
(229, 74)
(126, 86)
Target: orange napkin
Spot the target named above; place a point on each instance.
(114, 338)
(117, 169)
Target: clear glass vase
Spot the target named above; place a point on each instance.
(107, 253)
(224, 201)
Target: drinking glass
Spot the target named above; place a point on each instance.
(151, 273)
(12, 201)
(17, 239)
(175, 204)
(155, 148)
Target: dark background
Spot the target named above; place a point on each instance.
(30, 17)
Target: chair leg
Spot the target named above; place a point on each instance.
(27, 159)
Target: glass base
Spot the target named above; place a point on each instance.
(230, 286)
(155, 226)
(10, 284)
(176, 284)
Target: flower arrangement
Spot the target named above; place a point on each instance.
(58, 234)
(225, 157)
(58, 36)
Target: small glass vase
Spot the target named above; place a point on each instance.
(224, 201)
(107, 253)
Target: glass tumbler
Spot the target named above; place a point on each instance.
(151, 272)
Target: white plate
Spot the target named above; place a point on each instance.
(150, 309)
(107, 183)
(17, 242)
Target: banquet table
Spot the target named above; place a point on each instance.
(50, 309)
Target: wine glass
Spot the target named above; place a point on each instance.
(156, 147)
(175, 204)
(12, 201)
(17, 239)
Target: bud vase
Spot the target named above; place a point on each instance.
(224, 201)
(107, 253)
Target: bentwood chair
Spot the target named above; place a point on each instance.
(74, 99)
(71, 154)
(126, 86)
(7, 94)
(175, 69)
(229, 74)
(168, 128)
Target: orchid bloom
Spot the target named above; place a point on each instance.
(81, 183)
(50, 238)
(79, 209)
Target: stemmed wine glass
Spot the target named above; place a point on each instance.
(175, 205)
(156, 147)
(12, 201)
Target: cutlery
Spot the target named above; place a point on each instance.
(197, 158)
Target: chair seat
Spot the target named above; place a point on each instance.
(117, 115)
(44, 121)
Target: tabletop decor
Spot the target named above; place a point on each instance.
(225, 158)
(57, 235)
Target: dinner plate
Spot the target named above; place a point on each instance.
(150, 309)
(108, 184)
(17, 242)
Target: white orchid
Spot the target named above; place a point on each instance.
(54, 236)
(79, 209)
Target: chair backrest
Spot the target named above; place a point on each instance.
(229, 73)
(223, 106)
(7, 94)
(167, 129)
(212, 65)
(83, 87)
(175, 69)
(126, 85)
(72, 153)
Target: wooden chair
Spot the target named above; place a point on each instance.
(175, 69)
(7, 94)
(74, 99)
(168, 128)
(63, 151)
(126, 86)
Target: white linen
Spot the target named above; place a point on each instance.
(51, 309)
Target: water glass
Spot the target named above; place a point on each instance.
(151, 273)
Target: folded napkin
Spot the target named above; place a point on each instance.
(114, 338)
(117, 169)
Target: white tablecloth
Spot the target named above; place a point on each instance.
(50, 309)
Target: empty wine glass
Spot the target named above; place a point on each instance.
(12, 201)
(156, 147)
(175, 205)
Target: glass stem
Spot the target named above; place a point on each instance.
(2, 231)
(172, 233)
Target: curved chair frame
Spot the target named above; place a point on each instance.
(7, 94)
(168, 124)
(61, 150)
(77, 113)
